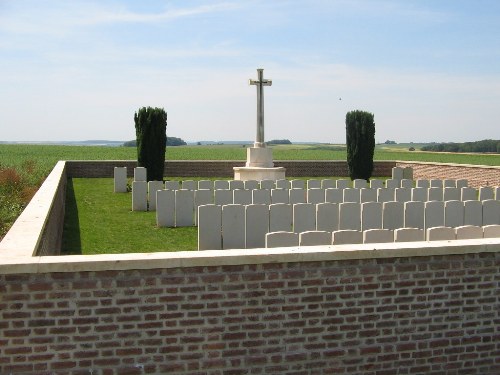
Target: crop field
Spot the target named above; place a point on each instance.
(23, 167)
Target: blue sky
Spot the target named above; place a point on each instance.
(78, 70)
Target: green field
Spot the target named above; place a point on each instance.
(24, 167)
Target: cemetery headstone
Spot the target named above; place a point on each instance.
(282, 239)
(209, 227)
(120, 179)
(233, 226)
(315, 238)
(257, 225)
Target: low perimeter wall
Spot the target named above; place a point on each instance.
(414, 308)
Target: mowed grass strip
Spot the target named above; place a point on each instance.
(100, 221)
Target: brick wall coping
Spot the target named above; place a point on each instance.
(448, 164)
(131, 261)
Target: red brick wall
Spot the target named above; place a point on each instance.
(418, 315)
(476, 175)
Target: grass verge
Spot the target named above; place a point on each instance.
(99, 221)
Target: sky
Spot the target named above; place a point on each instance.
(429, 70)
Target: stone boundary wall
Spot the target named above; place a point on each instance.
(221, 168)
(477, 175)
(315, 310)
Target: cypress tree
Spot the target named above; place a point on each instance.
(150, 131)
(360, 141)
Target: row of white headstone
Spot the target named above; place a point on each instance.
(250, 223)
(342, 237)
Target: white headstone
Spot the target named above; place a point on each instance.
(359, 183)
(350, 216)
(497, 193)
(434, 214)
(210, 227)
(221, 185)
(165, 208)
(313, 184)
(436, 194)
(453, 214)
(280, 217)
(297, 184)
(242, 196)
(393, 215)
(334, 195)
(378, 236)
(351, 195)
(423, 184)
(223, 197)
(376, 184)
(236, 185)
(437, 183)
(491, 231)
(405, 183)
(261, 196)
(282, 184)
(153, 187)
(392, 184)
(419, 194)
(451, 194)
(468, 194)
(315, 238)
(327, 217)
(462, 183)
(371, 216)
(409, 235)
(408, 173)
(402, 194)
(140, 174)
(485, 193)
(367, 195)
(473, 213)
(342, 183)
(189, 185)
(304, 217)
(315, 195)
(172, 185)
(233, 226)
(251, 184)
(282, 239)
(386, 195)
(468, 232)
(397, 173)
(414, 215)
(120, 179)
(205, 184)
(184, 208)
(491, 212)
(139, 196)
(202, 197)
(297, 196)
(279, 196)
(328, 184)
(257, 225)
(345, 237)
(268, 184)
(440, 234)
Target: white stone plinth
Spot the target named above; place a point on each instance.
(259, 157)
(255, 173)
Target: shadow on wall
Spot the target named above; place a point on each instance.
(71, 241)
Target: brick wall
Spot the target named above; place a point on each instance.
(223, 168)
(477, 175)
(404, 315)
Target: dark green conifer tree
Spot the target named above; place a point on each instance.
(150, 131)
(360, 141)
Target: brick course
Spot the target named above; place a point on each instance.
(413, 315)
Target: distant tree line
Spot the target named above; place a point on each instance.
(487, 145)
(279, 142)
(171, 141)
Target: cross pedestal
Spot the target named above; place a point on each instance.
(259, 165)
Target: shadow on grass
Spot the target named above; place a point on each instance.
(71, 241)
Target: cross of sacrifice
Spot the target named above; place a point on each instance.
(260, 83)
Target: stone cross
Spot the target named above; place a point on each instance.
(260, 83)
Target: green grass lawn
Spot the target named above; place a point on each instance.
(101, 221)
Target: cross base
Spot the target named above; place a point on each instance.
(259, 174)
